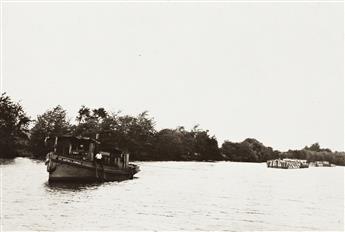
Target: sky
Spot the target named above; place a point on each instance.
(270, 71)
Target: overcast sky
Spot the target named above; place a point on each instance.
(271, 71)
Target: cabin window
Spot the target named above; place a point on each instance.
(78, 149)
(63, 147)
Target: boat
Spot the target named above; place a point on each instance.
(321, 164)
(287, 163)
(82, 159)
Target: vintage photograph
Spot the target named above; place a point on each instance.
(172, 115)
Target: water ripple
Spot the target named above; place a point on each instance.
(176, 196)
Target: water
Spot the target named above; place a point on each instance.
(176, 196)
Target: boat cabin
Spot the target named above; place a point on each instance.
(84, 148)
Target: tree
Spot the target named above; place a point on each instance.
(135, 135)
(52, 123)
(13, 128)
(125, 132)
(313, 147)
(89, 122)
(83, 114)
(240, 152)
(206, 146)
(172, 145)
(180, 144)
(316, 148)
(250, 150)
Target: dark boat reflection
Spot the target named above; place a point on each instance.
(78, 186)
(70, 186)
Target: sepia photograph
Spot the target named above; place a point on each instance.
(172, 115)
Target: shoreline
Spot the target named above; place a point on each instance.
(10, 160)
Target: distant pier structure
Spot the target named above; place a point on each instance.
(287, 163)
(321, 164)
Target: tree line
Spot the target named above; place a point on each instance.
(137, 135)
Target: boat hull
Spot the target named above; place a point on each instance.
(64, 169)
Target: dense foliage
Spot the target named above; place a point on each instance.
(315, 153)
(13, 128)
(132, 134)
(136, 135)
(250, 150)
(51, 123)
(180, 144)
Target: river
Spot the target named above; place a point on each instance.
(176, 196)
